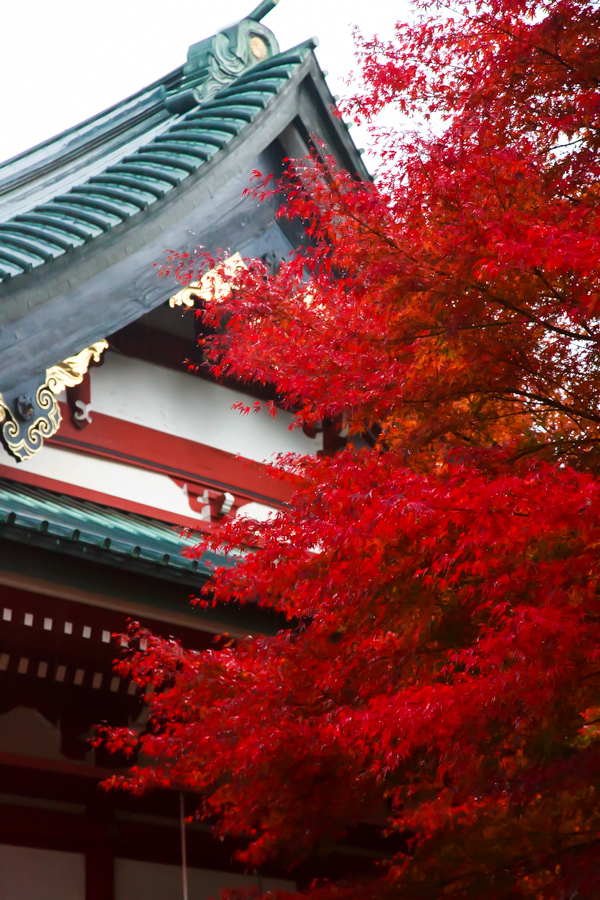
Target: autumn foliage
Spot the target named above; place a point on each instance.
(441, 672)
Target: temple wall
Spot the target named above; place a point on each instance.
(153, 881)
(116, 479)
(27, 873)
(172, 402)
(25, 731)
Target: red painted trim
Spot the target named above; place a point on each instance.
(147, 448)
(65, 767)
(73, 490)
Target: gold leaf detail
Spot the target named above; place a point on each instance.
(71, 371)
(23, 441)
(24, 446)
(212, 286)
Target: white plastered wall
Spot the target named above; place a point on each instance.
(188, 407)
(30, 874)
(108, 477)
(153, 881)
(25, 731)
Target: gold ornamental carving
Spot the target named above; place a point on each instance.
(71, 371)
(32, 415)
(212, 286)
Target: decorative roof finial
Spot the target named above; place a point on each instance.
(217, 61)
(262, 9)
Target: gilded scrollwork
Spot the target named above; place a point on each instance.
(71, 371)
(24, 441)
(211, 286)
(31, 414)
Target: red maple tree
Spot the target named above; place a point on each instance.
(441, 671)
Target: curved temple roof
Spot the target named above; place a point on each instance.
(79, 185)
(85, 216)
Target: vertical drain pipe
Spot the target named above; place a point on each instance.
(183, 846)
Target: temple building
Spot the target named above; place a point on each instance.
(110, 441)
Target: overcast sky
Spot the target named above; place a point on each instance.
(62, 61)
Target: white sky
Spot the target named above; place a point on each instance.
(62, 61)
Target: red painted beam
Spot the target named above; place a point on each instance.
(180, 458)
(56, 766)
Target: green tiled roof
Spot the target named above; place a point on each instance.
(65, 521)
(150, 153)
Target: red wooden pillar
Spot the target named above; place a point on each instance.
(100, 872)
(99, 855)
